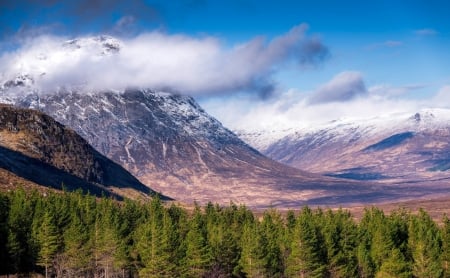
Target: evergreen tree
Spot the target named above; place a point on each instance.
(340, 234)
(251, 262)
(307, 257)
(20, 242)
(77, 255)
(104, 238)
(446, 246)
(369, 255)
(198, 257)
(154, 243)
(272, 230)
(425, 245)
(48, 242)
(395, 266)
(4, 211)
(223, 246)
(366, 268)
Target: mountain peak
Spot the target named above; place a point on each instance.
(102, 44)
(42, 67)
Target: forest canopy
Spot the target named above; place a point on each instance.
(76, 235)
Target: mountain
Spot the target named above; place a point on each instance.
(392, 148)
(36, 148)
(172, 145)
(168, 141)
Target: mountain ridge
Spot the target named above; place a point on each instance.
(396, 147)
(36, 147)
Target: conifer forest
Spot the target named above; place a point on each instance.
(77, 235)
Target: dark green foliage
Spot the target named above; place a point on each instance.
(4, 211)
(21, 248)
(425, 245)
(271, 233)
(340, 235)
(47, 240)
(251, 262)
(198, 257)
(307, 257)
(394, 266)
(74, 235)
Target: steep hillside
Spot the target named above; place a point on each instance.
(35, 147)
(170, 143)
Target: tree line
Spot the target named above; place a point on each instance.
(76, 235)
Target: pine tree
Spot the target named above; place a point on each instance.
(198, 257)
(48, 242)
(446, 246)
(222, 240)
(4, 211)
(77, 254)
(395, 266)
(372, 220)
(19, 242)
(307, 257)
(425, 242)
(366, 268)
(271, 232)
(251, 262)
(104, 238)
(154, 243)
(340, 234)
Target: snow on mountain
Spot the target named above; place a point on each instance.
(429, 118)
(171, 144)
(168, 141)
(395, 146)
(38, 68)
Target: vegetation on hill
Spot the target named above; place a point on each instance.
(36, 148)
(76, 235)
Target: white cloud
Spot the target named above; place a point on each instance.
(343, 87)
(293, 108)
(394, 91)
(157, 60)
(442, 98)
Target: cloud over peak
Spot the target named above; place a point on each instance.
(344, 96)
(182, 63)
(343, 87)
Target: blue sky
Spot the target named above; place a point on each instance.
(396, 50)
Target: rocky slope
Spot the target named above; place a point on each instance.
(35, 147)
(393, 148)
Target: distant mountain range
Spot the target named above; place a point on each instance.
(392, 148)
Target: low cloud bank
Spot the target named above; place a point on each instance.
(344, 96)
(157, 60)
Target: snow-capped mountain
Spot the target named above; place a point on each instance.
(40, 68)
(408, 146)
(166, 140)
(175, 147)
